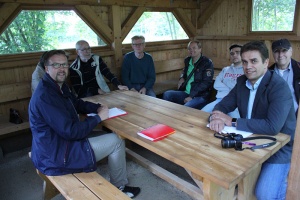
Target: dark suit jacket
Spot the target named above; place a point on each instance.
(272, 112)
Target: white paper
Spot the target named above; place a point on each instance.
(231, 129)
(113, 112)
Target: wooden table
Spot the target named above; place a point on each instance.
(215, 170)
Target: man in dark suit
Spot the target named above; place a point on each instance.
(265, 105)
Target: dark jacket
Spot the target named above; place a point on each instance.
(95, 63)
(59, 143)
(203, 76)
(296, 78)
(272, 112)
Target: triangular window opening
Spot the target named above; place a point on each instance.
(41, 30)
(157, 26)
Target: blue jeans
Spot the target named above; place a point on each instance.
(272, 181)
(209, 108)
(179, 96)
(149, 92)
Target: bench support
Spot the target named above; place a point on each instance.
(49, 189)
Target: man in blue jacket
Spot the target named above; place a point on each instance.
(61, 142)
(265, 104)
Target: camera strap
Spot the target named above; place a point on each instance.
(240, 138)
(261, 146)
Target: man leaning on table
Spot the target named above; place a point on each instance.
(138, 71)
(265, 105)
(61, 143)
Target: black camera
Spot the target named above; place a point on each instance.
(232, 140)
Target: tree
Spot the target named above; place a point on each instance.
(24, 34)
(273, 15)
(45, 30)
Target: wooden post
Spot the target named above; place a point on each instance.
(293, 191)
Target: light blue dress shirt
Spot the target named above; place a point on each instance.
(288, 75)
(253, 90)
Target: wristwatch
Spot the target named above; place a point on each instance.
(233, 122)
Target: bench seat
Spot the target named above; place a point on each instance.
(161, 87)
(80, 186)
(9, 94)
(7, 127)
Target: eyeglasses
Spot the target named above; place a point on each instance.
(235, 52)
(137, 44)
(58, 65)
(85, 49)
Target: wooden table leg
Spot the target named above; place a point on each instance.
(247, 185)
(213, 191)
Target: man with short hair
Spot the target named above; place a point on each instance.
(266, 107)
(61, 143)
(87, 71)
(195, 81)
(138, 71)
(287, 68)
(38, 73)
(226, 79)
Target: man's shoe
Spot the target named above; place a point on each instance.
(130, 191)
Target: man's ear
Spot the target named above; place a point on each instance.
(47, 69)
(266, 64)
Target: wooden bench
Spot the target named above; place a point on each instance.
(167, 73)
(12, 94)
(80, 186)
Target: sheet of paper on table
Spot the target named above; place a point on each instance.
(113, 112)
(230, 129)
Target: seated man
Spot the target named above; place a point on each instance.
(265, 105)
(60, 141)
(287, 68)
(138, 72)
(87, 71)
(38, 73)
(226, 80)
(195, 81)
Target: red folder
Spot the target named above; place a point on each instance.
(156, 132)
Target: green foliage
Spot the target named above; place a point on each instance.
(273, 15)
(45, 30)
(157, 26)
(25, 33)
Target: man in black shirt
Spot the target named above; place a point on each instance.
(87, 71)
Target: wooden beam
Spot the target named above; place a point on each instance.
(181, 184)
(117, 41)
(214, 4)
(190, 4)
(293, 191)
(185, 22)
(95, 22)
(8, 12)
(296, 27)
(250, 37)
(131, 20)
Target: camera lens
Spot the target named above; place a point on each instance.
(228, 143)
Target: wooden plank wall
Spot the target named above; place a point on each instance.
(227, 24)
(230, 23)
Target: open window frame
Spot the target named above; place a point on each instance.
(294, 31)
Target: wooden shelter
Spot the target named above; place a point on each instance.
(217, 23)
